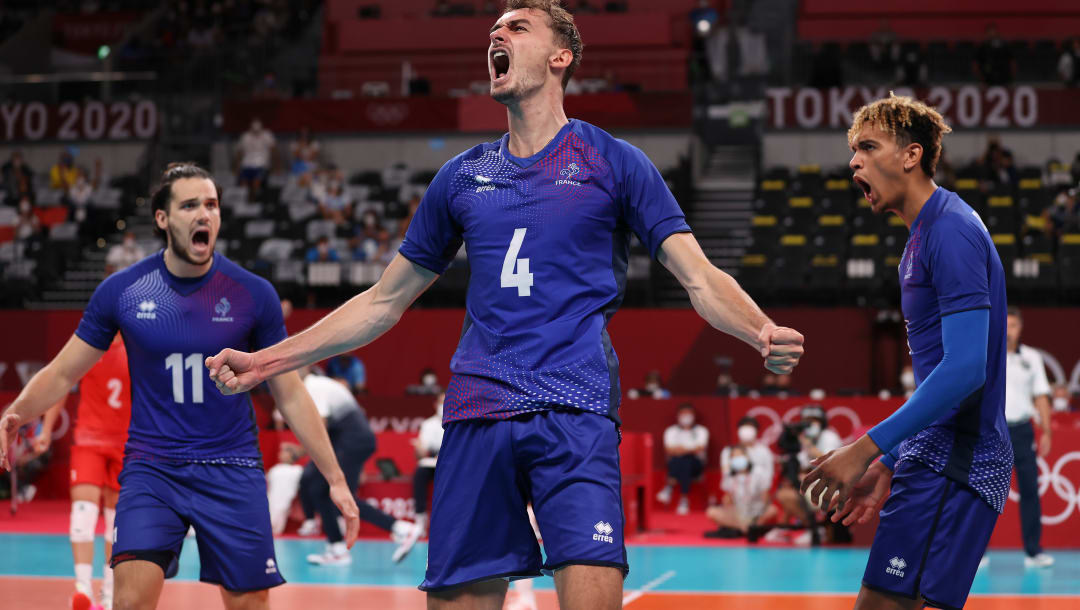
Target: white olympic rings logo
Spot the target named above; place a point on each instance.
(1062, 485)
(387, 114)
(770, 435)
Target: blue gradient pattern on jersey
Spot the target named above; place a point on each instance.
(577, 202)
(170, 325)
(950, 265)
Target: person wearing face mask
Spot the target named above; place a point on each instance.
(321, 252)
(654, 387)
(746, 497)
(685, 443)
(28, 225)
(124, 254)
(1061, 398)
(429, 383)
(349, 370)
(254, 156)
(427, 444)
(762, 460)
(1027, 402)
(817, 438)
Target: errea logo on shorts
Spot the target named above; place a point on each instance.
(271, 567)
(896, 567)
(603, 532)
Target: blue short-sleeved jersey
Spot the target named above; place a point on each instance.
(950, 265)
(170, 325)
(548, 239)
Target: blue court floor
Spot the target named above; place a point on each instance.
(657, 568)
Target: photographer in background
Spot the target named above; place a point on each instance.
(800, 443)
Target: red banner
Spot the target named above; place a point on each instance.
(970, 106)
(82, 121)
(478, 113)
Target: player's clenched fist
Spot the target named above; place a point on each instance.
(781, 347)
(233, 371)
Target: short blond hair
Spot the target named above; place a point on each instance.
(562, 23)
(908, 120)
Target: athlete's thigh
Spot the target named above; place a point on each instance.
(86, 492)
(231, 516)
(575, 485)
(589, 587)
(88, 466)
(483, 595)
(479, 526)
(149, 524)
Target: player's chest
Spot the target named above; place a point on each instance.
(204, 321)
(564, 195)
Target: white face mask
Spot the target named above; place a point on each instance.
(747, 434)
(429, 380)
(740, 463)
(813, 430)
(686, 420)
(1061, 403)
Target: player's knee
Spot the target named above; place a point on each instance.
(83, 519)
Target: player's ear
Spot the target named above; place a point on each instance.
(912, 156)
(562, 58)
(161, 219)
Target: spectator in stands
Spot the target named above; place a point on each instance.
(1068, 66)
(367, 237)
(336, 206)
(254, 155)
(64, 173)
(429, 384)
(654, 387)
(321, 252)
(736, 50)
(882, 46)
(304, 153)
(815, 439)
(726, 386)
(27, 225)
(349, 370)
(783, 387)
(685, 443)
(489, 7)
(1064, 215)
(18, 178)
(994, 61)
(768, 386)
(78, 196)
(124, 254)
(762, 460)
(747, 500)
(427, 446)
(907, 381)
(911, 68)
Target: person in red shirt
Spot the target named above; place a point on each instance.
(97, 456)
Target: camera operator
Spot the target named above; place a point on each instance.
(800, 443)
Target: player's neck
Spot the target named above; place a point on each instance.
(534, 121)
(181, 268)
(917, 195)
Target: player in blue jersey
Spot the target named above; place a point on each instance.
(192, 457)
(947, 454)
(531, 413)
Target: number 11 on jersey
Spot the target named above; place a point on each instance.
(520, 279)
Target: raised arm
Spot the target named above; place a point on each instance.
(361, 320)
(50, 385)
(719, 300)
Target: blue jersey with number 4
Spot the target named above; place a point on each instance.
(548, 240)
(170, 325)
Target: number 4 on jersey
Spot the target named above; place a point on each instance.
(520, 279)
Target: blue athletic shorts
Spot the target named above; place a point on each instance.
(565, 462)
(932, 535)
(226, 505)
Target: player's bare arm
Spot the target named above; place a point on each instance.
(721, 302)
(50, 385)
(361, 320)
(295, 404)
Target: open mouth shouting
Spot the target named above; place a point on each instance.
(867, 190)
(200, 242)
(499, 65)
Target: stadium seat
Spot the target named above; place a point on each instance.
(1000, 214)
(324, 274)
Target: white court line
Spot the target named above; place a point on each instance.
(652, 584)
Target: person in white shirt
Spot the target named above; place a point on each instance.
(746, 493)
(762, 460)
(353, 443)
(1027, 398)
(685, 443)
(124, 254)
(427, 446)
(255, 150)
